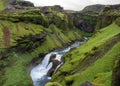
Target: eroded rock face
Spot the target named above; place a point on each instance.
(116, 75)
(84, 26)
(47, 9)
(87, 84)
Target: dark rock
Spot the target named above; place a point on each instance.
(87, 84)
(52, 57)
(84, 26)
(55, 64)
(116, 75)
(21, 3)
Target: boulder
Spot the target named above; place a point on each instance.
(52, 57)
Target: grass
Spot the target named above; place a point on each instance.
(55, 39)
(100, 68)
(98, 39)
(16, 75)
(18, 30)
(2, 5)
(15, 71)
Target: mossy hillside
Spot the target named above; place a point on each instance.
(20, 62)
(2, 5)
(57, 38)
(15, 70)
(107, 16)
(75, 57)
(16, 31)
(30, 16)
(100, 73)
(60, 19)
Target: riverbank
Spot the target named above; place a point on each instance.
(42, 73)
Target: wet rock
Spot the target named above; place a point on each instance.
(116, 75)
(55, 64)
(52, 57)
(87, 84)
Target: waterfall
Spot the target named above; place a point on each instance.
(39, 73)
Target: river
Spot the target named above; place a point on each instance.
(39, 72)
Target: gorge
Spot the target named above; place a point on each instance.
(36, 44)
(39, 74)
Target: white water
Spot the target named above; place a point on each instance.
(39, 73)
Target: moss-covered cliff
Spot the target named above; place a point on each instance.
(93, 62)
(25, 37)
(27, 33)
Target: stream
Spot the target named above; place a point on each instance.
(39, 72)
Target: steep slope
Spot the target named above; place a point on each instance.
(24, 44)
(93, 61)
(2, 5)
(25, 37)
(28, 33)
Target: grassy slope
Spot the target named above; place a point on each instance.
(17, 62)
(1, 5)
(73, 59)
(18, 30)
(101, 71)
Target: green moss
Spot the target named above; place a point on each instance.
(2, 3)
(103, 79)
(56, 38)
(103, 65)
(17, 75)
(76, 56)
(18, 30)
(97, 40)
(118, 21)
(60, 15)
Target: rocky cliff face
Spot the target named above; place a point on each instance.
(109, 14)
(94, 8)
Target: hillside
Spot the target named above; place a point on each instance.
(28, 33)
(92, 60)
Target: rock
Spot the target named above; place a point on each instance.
(94, 8)
(22, 3)
(48, 9)
(55, 64)
(84, 26)
(52, 57)
(87, 84)
(116, 75)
